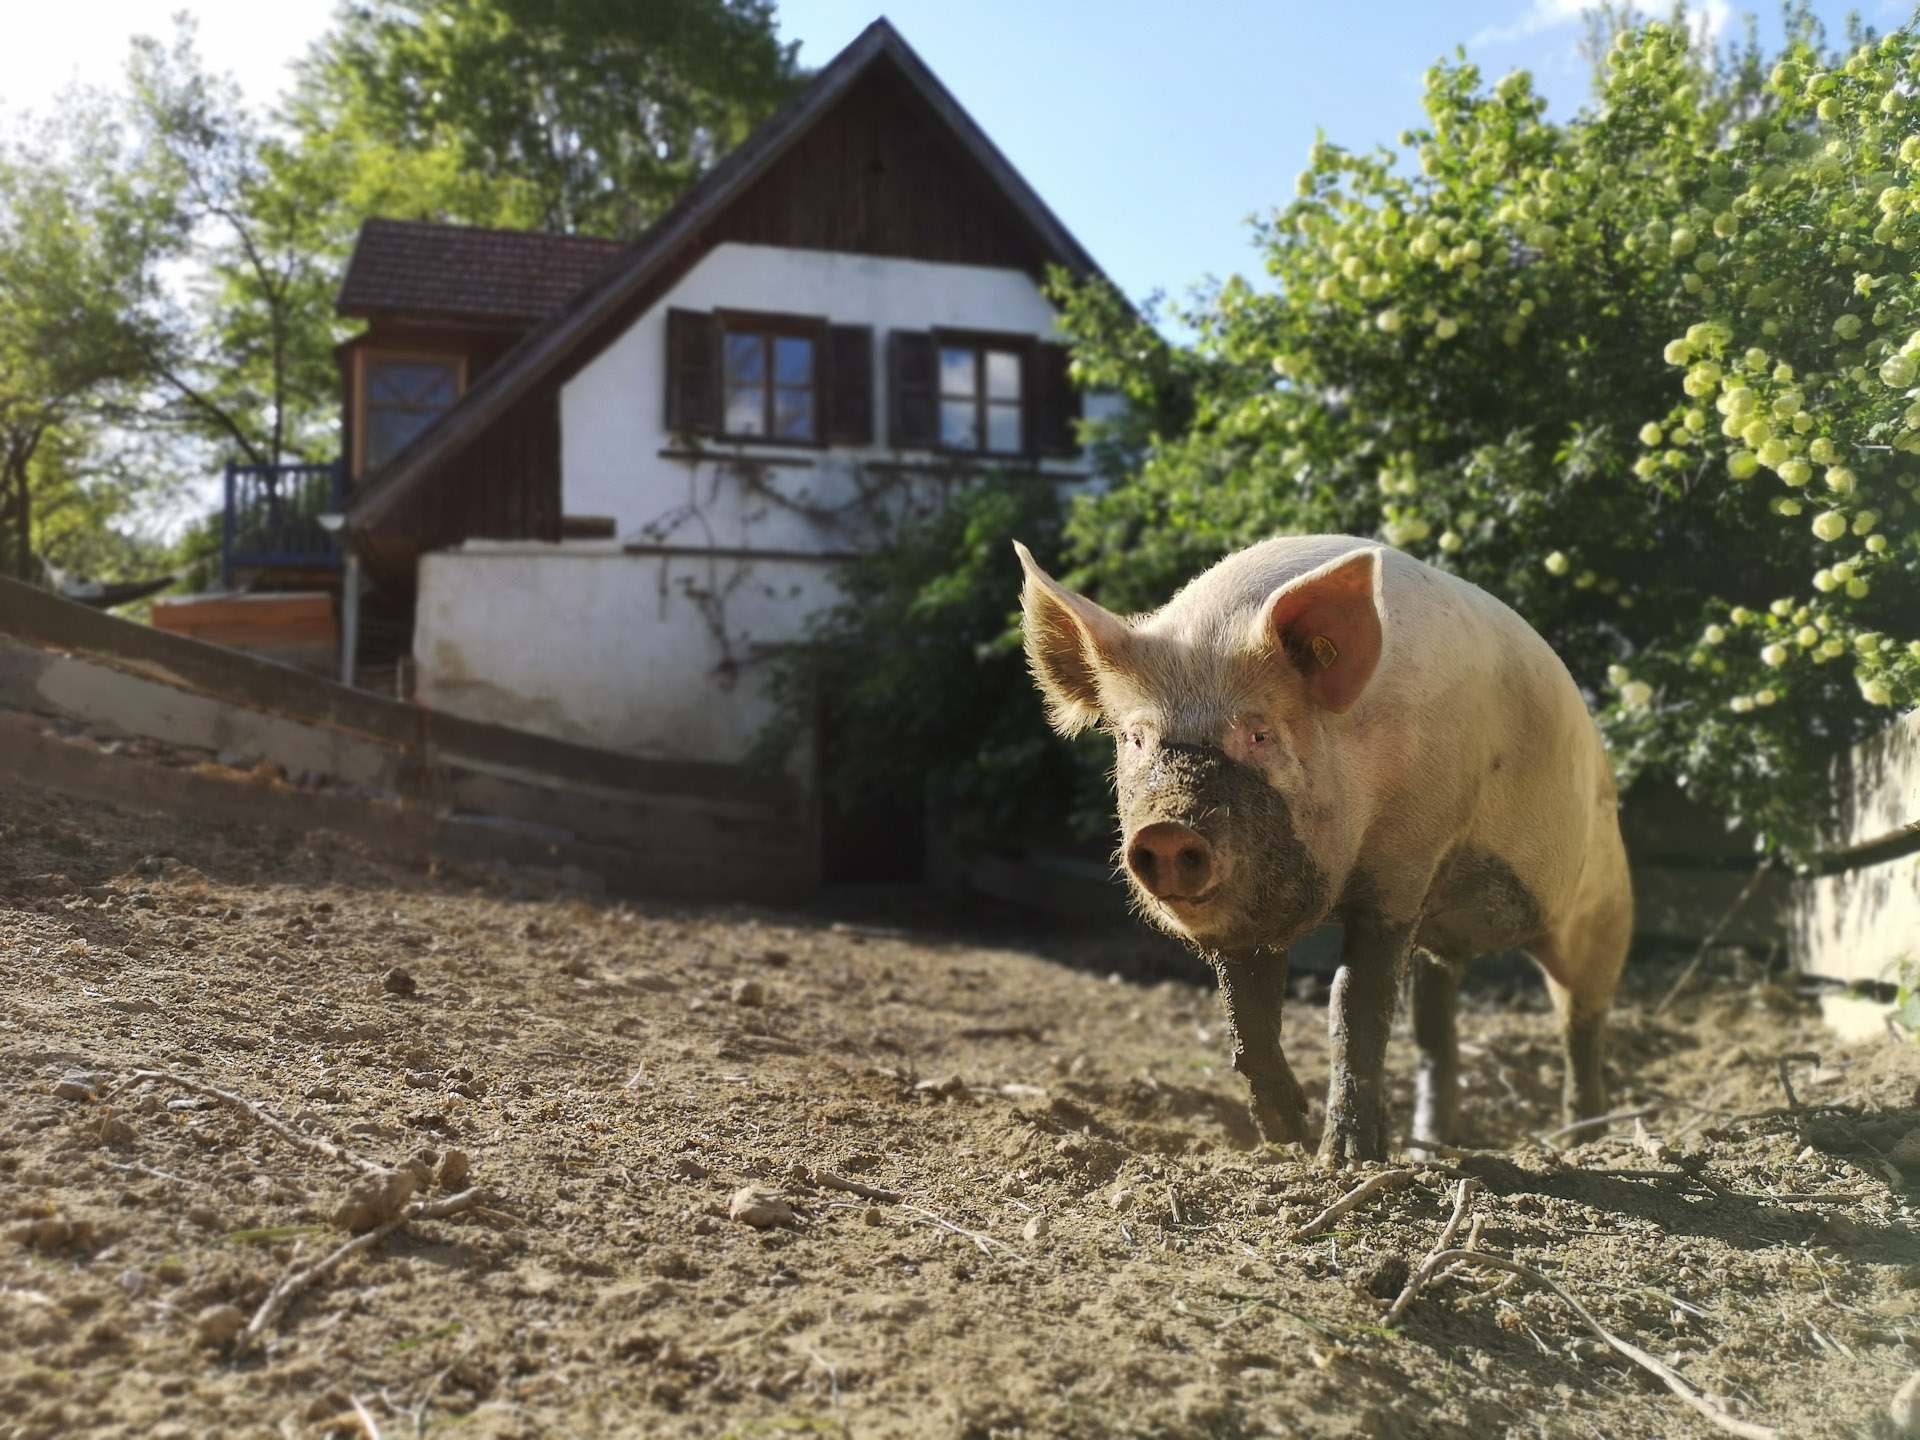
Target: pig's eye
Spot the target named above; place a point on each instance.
(1257, 738)
(1135, 739)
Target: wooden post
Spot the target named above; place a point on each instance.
(349, 614)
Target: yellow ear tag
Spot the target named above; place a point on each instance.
(1325, 651)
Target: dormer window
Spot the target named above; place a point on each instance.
(400, 396)
(771, 380)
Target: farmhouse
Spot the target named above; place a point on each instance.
(589, 489)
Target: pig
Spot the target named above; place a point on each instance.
(1320, 728)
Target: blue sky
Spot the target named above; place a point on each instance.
(1154, 129)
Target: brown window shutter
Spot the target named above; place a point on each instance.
(693, 372)
(1055, 402)
(913, 380)
(849, 395)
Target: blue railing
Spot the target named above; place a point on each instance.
(273, 516)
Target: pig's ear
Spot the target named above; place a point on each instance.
(1327, 625)
(1070, 640)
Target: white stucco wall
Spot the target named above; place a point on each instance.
(662, 652)
(612, 414)
(656, 655)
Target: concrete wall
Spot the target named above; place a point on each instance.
(656, 642)
(1858, 916)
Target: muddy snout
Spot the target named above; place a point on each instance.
(1171, 861)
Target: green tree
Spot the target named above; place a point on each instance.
(1467, 362)
(84, 234)
(922, 688)
(571, 115)
(245, 362)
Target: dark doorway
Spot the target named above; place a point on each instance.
(881, 842)
(875, 840)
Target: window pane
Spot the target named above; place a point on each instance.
(389, 429)
(793, 360)
(793, 414)
(746, 410)
(746, 359)
(958, 419)
(410, 382)
(956, 372)
(1003, 428)
(1003, 375)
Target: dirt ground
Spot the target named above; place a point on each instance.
(1070, 1230)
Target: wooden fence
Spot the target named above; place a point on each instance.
(392, 772)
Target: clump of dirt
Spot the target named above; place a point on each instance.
(750, 1173)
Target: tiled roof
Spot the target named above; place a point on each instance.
(421, 268)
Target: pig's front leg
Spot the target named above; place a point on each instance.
(1254, 984)
(1359, 1016)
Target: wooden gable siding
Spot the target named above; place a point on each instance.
(507, 487)
(879, 174)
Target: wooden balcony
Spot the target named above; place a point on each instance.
(272, 519)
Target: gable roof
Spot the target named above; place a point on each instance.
(555, 345)
(467, 272)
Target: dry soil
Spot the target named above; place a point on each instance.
(1067, 1228)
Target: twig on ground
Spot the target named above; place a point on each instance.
(1808, 1057)
(135, 1167)
(296, 1282)
(1671, 1378)
(1173, 1204)
(1451, 1152)
(1003, 1032)
(1713, 935)
(827, 1180)
(365, 1417)
(1359, 1195)
(312, 1144)
(986, 1242)
(1462, 1199)
(1591, 1121)
(833, 1375)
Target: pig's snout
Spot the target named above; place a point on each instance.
(1171, 861)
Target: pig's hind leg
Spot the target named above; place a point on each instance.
(1436, 1079)
(1582, 963)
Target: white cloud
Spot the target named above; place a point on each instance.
(1708, 19)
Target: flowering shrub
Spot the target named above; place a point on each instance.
(1649, 375)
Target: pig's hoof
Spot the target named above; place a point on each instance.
(1347, 1145)
(1277, 1126)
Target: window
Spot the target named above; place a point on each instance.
(771, 384)
(980, 399)
(402, 396)
(983, 394)
(742, 375)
